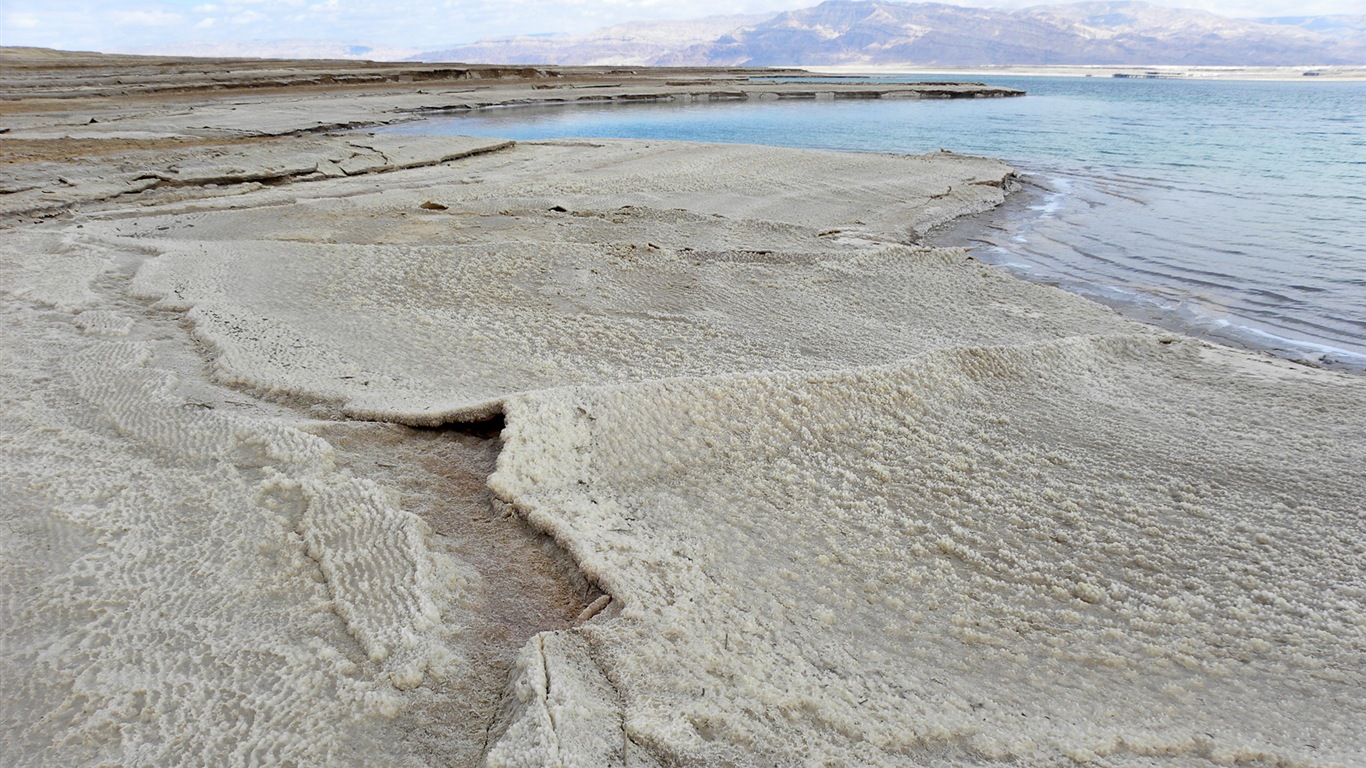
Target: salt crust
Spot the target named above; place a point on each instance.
(588, 265)
(1103, 550)
(99, 322)
(382, 593)
(61, 276)
(208, 558)
(935, 563)
(200, 588)
(553, 714)
(227, 170)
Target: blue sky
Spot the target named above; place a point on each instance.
(120, 25)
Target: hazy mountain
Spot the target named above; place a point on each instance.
(635, 43)
(859, 32)
(1341, 25)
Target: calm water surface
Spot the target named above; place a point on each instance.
(1235, 210)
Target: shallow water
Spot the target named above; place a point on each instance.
(1232, 210)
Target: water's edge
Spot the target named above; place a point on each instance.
(986, 236)
(1221, 210)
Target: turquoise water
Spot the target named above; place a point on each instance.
(1234, 210)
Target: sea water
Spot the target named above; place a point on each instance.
(1232, 210)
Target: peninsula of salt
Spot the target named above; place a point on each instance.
(323, 447)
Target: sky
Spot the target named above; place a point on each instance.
(138, 25)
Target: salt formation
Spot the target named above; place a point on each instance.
(837, 498)
(1106, 550)
(190, 586)
(556, 703)
(371, 555)
(535, 280)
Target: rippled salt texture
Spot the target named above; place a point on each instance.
(185, 585)
(920, 516)
(614, 264)
(190, 583)
(1230, 209)
(1107, 550)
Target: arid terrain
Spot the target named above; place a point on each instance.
(330, 447)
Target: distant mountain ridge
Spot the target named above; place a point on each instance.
(633, 43)
(871, 32)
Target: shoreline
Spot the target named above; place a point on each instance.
(1153, 309)
(964, 233)
(382, 449)
(80, 107)
(1322, 73)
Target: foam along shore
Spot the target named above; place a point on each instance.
(776, 484)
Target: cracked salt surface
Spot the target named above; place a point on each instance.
(850, 501)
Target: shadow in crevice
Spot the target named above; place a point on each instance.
(484, 429)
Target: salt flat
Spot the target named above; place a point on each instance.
(330, 448)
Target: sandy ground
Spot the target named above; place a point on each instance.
(331, 448)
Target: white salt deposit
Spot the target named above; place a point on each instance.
(1101, 550)
(591, 264)
(851, 501)
(187, 586)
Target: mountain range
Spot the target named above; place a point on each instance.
(864, 32)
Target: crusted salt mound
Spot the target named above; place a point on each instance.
(558, 264)
(427, 334)
(187, 582)
(585, 265)
(1107, 550)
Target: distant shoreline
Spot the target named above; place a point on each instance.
(1335, 73)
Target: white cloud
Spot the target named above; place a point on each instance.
(22, 21)
(148, 18)
(424, 24)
